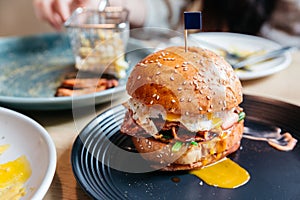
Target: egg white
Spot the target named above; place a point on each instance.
(142, 114)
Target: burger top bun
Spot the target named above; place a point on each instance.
(194, 82)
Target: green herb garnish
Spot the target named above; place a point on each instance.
(194, 143)
(176, 147)
(242, 116)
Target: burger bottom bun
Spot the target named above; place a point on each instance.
(189, 156)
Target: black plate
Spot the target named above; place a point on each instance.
(274, 174)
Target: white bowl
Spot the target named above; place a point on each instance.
(27, 137)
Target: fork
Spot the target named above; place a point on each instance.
(260, 58)
(231, 57)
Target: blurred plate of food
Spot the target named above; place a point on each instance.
(104, 174)
(246, 45)
(239, 45)
(27, 157)
(38, 73)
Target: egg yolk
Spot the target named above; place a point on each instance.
(13, 175)
(223, 174)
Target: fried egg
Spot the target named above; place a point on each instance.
(194, 123)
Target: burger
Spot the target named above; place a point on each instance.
(183, 112)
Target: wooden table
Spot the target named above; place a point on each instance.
(64, 128)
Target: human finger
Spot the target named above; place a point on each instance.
(63, 8)
(44, 10)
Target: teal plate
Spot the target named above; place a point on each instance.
(32, 67)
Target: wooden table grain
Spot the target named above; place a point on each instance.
(64, 126)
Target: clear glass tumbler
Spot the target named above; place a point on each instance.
(99, 40)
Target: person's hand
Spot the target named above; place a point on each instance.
(56, 12)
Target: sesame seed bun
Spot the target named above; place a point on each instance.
(197, 81)
(190, 156)
(188, 98)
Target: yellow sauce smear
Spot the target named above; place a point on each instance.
(13, 176)
(223, 174)
(3, 148)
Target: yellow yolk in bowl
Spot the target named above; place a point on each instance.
(223, 174)
(13, 175)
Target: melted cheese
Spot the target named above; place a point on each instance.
(223, 174)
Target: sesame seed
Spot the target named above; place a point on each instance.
(185, 63)
(186, 113)
(146, 61)
(209, 110)
(173, 101)
(151, 102)
(190, 99)
(159, 57)
(179, 89)
(181, 99)
(139, 77)
(200, 108)
(211, 106)
(154, 95)
(167, 53)
(175, 71)
(163, 54)
(177, 66)
(172, 78)
(159, 64)
(157, 97)
(184, 83)
(165, 59)
(157, 73)
(208, 97)
(151, 61)
(185, 68)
